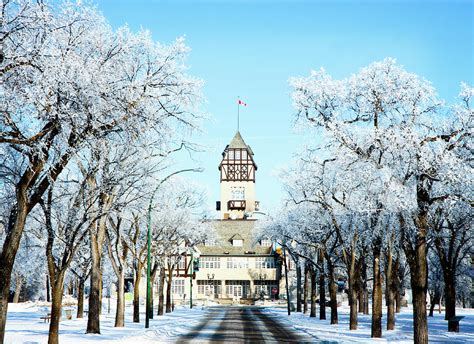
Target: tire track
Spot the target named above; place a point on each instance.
(281, 333)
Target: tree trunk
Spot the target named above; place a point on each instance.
(360, 300)
(434, 300)
(80, 299)
(16, 223)
(18, 285)
(312, 313)
(152, 291)
(396, 285)
(332, 293)
(48, 289)
(168, 289)
(353, 291)
(120, 311)
(306, 286)
(418, 281)
(449, 294)
(93, 319)
(322, 288)
(136, 296)
(97, 237)
(56, 307)
(376, 328)
(298, 286)
(161, 287)
(390, 291)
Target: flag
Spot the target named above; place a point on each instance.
(241, 103)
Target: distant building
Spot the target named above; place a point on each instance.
(234, 267)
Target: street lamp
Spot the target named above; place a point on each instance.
(262, 278)
(210, 278)
(149, 309)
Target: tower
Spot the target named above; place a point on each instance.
(237, 179)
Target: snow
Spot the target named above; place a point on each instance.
(403, 333)
(25, 326)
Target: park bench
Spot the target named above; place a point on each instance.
(47, 317)
(453, 324)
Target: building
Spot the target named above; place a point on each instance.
(233, 267)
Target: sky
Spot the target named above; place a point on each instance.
(249, 49)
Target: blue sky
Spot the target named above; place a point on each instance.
(251, 48)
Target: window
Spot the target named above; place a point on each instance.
(237, 263)
(209, 263)
(237, 193)
(237, 242)
(181, 264)
(265, 242)
(237, 154)
(231, 154)
(237, 288)
(244, 154)
(265, 263)
(208, 287)
(177, 286)
(210, 242)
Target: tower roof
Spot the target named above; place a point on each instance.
(238, 141)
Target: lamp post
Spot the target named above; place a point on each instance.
(149, 309)
(210, 278)
(262, 278)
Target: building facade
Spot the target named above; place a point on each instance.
(233, 267)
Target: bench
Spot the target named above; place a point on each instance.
(47, 317)
(453, 324)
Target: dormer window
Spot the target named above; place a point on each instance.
(265, 242)
(237, 242)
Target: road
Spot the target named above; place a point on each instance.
(242, 325)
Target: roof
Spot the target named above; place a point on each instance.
(226, 230)
(238, 141)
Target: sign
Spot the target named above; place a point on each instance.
(274, 290)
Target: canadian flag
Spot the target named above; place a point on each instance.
(241, 103)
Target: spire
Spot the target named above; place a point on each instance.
(238, 141)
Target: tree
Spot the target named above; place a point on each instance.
(389, 121)
(452, 232)
(97, 82)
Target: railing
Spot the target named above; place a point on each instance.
(236, 204)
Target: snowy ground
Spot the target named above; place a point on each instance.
(403, 333)
(25, 326)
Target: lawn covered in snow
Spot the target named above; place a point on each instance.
(25, 326)
(403, 333)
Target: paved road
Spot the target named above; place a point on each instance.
(242, 325)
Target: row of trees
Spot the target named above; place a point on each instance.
(387, 184)
(89, 119)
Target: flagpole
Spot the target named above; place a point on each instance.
(238, 114)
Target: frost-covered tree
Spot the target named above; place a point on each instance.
(391, 123)
(68, 78)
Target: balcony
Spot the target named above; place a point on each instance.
(236, 205)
